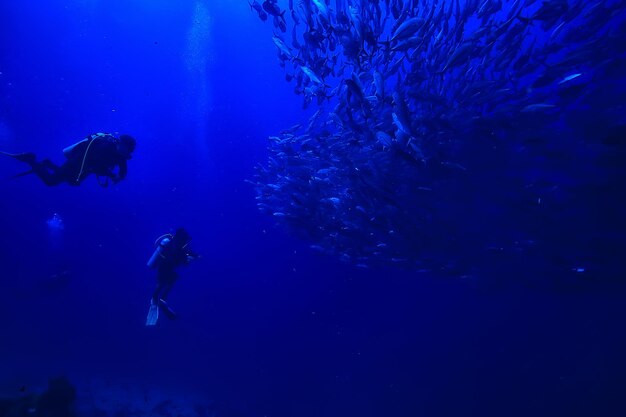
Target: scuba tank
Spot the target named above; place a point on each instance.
(158, 255)
(70, 149)
(81, 150)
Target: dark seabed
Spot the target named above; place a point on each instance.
(402, 208)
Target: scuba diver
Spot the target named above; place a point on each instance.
(170, 253)
(97, 154)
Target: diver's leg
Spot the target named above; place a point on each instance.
(27, 157)
(167, 276)
(163, 283)
(165, 308)
(50, 173)
(166, 290)
(155, 294)
(160, 283)
(68, 172)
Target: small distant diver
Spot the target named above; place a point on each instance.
(99, 154)
(171, 252)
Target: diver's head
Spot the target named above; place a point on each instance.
(181, 237)
(127, 145)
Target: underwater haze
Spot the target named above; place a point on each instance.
(401, 208)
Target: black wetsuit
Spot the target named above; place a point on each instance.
(171, 258)
(98, 155)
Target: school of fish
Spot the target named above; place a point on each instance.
(446, 131)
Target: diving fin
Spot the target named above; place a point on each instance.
(167, 310)
(27, 157)
(23, 174)
(153, 314)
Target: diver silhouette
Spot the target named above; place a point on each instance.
(171, 252)
(97, 154)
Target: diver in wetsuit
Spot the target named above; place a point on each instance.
(99, 154)
(170, 253)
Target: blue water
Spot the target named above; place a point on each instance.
(268, 326)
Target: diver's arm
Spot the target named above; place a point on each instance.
(191, 255)
(122, 171)
(108, 174)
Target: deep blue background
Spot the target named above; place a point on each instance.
(267, 327)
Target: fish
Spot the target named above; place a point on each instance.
(538, 107)
(379, 85)
(280, 23)
(272, 8)
(282, 47)
(255, 5)
(400, 125)
(570, 78)
(460, 55)
(424, 92)
(291, 130)
(384, 139)
(407, 29)
(322, 8)
(312, 76)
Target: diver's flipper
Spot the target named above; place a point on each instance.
(153, 314)
(23, 174)
(27, 157)
(167, 310)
